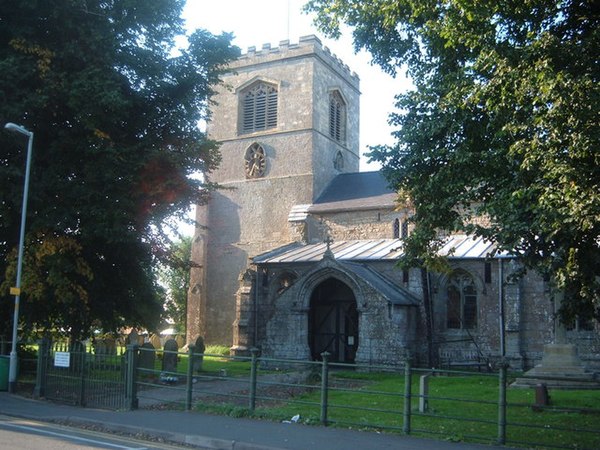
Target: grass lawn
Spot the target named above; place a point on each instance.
(461, 408)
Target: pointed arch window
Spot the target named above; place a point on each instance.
(462, 302)
(259, 107)
(400, 229)
(337, 117)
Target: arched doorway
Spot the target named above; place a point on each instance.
(333, 321)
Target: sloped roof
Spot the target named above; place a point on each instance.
(395, 294)
(457, 246)
(355, 191)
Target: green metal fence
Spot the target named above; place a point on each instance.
(448, 404)
(75, 374)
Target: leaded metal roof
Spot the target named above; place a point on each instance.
(457, 246)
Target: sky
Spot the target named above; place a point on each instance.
(258, 22)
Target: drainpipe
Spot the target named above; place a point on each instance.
(501, 305)
(256, 287)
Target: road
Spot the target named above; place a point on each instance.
(22, 434)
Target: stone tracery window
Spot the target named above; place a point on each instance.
(259, 107)
(462, 302)
(337, 116)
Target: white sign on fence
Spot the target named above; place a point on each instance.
(62, 359)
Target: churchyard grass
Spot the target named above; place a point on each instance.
(461, 408)
(212, 364)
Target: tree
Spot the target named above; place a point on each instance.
(176, 279)
(502, 125)
(115, 110)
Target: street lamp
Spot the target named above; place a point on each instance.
(16, 291)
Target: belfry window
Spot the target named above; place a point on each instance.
(337, 117)
(259, 108)
(462, 302)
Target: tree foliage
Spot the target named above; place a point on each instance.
(502, 124)
(176, 279)
(115, 109)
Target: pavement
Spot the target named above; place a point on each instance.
(214, 432)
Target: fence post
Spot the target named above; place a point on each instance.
(82, 359)
(407, 397)
(42, 368)
(324, 386)
(189, 385)
(253, 378)
(502, 404)
(130, 386)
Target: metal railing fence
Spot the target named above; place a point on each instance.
(77, 375)
(449, 404)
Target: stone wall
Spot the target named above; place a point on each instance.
(361, 224)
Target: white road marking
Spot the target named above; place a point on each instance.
(52, 433)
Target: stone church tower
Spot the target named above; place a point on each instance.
(287, 119)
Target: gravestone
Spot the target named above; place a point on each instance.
(100, 352)
(147, 357)
(169, 363)
(198, 356)
(424, 393)
(111, 345)
(104, 348)
(542, 398)
(155, 341)
(133, 338)
(180, 340)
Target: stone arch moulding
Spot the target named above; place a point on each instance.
(320, 274)
(339, 90)
(257, 79)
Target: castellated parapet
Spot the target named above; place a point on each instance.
(305, 46)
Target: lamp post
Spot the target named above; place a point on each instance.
(16, 291)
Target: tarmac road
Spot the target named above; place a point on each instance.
(24, 434)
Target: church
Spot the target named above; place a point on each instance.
(297, 253)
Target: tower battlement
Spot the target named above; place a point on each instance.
(306, 45)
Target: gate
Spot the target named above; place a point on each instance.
(333, 322)
(77, 375)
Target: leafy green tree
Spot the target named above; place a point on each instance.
(115, 108)
(502, 125)
(175, 277)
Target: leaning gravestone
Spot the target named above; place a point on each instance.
(169, 363)
(147, 357)
(198, 355)
(155, 341)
